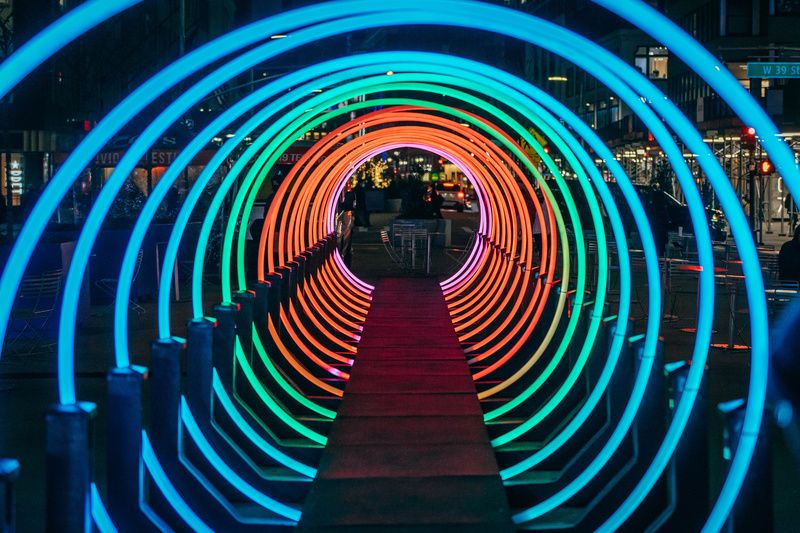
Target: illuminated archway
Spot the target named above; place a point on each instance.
(501, 269)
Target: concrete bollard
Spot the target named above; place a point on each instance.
(124, 443)
(224, 341)
(165, 393)
(70, 442)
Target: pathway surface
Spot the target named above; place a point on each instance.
(408, 448)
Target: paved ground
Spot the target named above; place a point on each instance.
(408, 447)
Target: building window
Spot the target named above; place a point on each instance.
(737, 16)
(653, 62)
(703, 22)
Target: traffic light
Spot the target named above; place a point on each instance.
(749, 137)
(765, 167)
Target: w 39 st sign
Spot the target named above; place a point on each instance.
(773, 70)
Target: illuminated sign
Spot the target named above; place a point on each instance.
(292, 155)
(156, 158)
(773, 70)
(16, 175)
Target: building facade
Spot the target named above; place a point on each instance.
(738, 32)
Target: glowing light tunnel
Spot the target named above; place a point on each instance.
(535, 318)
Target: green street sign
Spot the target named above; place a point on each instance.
(773, 70)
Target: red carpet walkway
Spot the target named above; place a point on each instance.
(408, 449)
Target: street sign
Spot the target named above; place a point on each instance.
(528, 149)
(773, 70)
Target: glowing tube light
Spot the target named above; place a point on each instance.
(263, 445)
(56, 36)
(490, 19)
(196, 434)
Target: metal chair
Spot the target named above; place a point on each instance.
(393, 255)
(33, 308)
(683, 287)
(413, 242)
(770, 267)
(779, 294)
(399, 229)
(459, 255)
(109, 285)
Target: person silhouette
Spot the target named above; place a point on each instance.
(789, 258)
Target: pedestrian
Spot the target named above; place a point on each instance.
(659, 219)
(791, 208)
(435, 201)
(362, 214)
(348, 202)
(789, 258)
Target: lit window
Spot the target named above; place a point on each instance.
(652, 61)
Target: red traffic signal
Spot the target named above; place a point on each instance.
(766, 167)
(749, 137)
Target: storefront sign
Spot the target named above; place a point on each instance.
(16, 175)
(156, 158)
(108, 159)
(292, 155)
(162, 158)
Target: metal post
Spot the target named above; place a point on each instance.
(199, 345)
(755, 90)
(275, 282)
(225, 341)
(688, 473)
(768, 202)
(286, 283)
(244, 320)
(70, 439)
(732, 287)
(124, 443)
(428, 257)
(781, 207)
(752, 199)
(753, 509)
(261, 305)
(9, 473)
(165, 393)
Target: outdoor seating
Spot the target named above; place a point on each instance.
(779, 294)
(390, 249)
(109, 285)
(33, 309)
